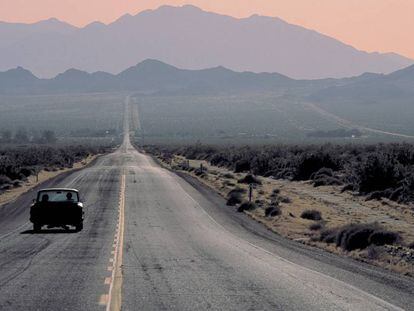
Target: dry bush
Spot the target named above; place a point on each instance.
(249, 179)
(246, 206)
(235, 196)
(383, 170)
(359, 236)
(316, 226)
(311, 215)
(273, 211)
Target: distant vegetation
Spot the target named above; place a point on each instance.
(377, 171)
(22, 136)
(18, 163)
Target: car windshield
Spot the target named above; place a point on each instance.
(58, 196)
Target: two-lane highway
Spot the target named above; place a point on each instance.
(153, 241)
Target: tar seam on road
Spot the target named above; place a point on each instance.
(113, 300)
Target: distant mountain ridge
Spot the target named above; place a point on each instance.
(398, 85)
(187, 37)
(153, 76)
(149, 76)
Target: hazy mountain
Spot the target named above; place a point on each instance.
(13, 34)
(152, 76)
(397, 86)
(187, 37)
(18, 80)
(149, 76)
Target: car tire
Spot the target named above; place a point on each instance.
(79, 227)
(37, 227)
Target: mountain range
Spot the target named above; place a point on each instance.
(149, 76)
(371, 88)
(186, 37)
(156, 77)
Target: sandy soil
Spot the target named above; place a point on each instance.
(32, 181)
(337, 209)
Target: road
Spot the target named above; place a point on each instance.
(348, 124)
(153, 240)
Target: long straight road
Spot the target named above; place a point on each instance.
(155, 241)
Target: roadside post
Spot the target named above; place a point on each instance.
(250, 192)
(37, 171)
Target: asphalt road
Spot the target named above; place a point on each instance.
(153, 240)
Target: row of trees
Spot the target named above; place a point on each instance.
(22, 136)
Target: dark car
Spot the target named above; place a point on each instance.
(57, 208)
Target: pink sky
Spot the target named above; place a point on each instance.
(371, 25)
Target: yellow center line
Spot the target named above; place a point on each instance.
(115, 288)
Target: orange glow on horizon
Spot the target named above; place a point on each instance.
(370, 25)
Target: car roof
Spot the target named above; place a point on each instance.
(58, 189)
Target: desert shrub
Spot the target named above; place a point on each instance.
(199, 172)
(355, 237)
(259, 202)
(275, 192)
(250, 179)
(349, 187)
(316, 226)
(227, 175)
(404, 193)
(284, 199)
(375, 195)
(379, 172)
(234, 199)
(381, 237)
(17, 183)
(324, 180)
(311, 163)
(328, 235)
(386, 169)
(359, 236)
(235, 196)
(311, 215)
(237, 190)
(242, 166)
(324, 171)
(228, 183)
(411, 245)
(26, 172)
(17, 163)
(4, 180)
(273, 211)
(246, 206)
